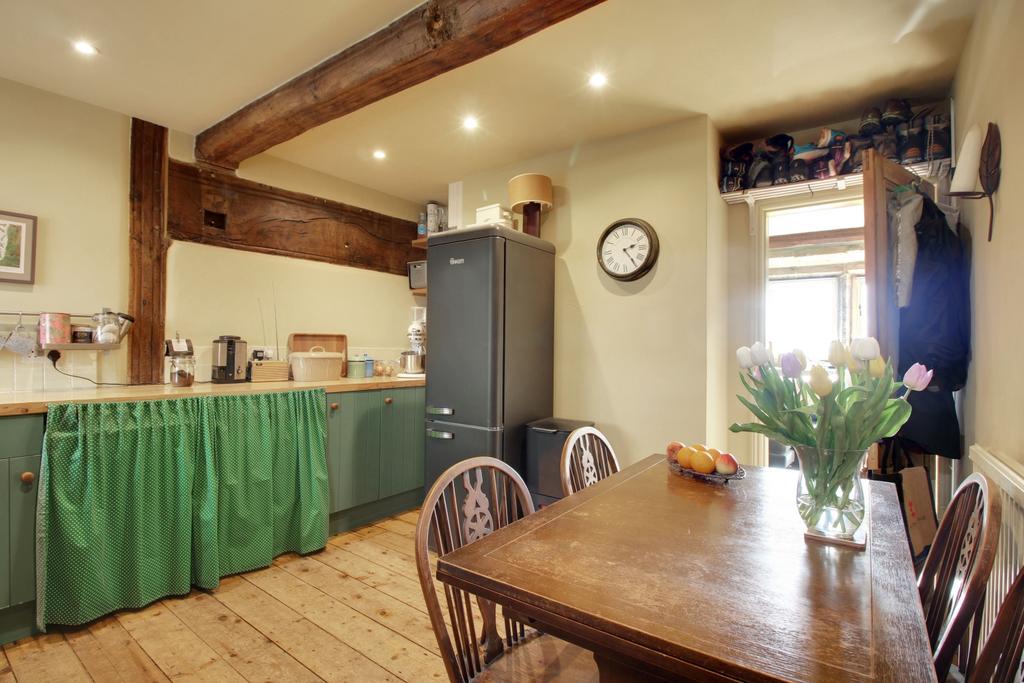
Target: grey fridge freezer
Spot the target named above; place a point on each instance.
(491, 310)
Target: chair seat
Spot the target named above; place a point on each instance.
(542, 658)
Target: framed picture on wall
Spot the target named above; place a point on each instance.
(17, 247)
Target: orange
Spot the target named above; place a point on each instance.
(702, 462)
(685, 456)
(700, 447)
(714, 452)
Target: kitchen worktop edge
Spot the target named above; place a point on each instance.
(35, 402)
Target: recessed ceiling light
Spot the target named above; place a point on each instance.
(470, 123)
(597, 80)
(380, 154)
(84, 47)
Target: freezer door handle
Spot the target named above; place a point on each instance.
(431, 410)
(436, 434)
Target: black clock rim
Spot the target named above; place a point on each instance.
(649, 261)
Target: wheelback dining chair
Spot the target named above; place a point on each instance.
(955, 575)
(1000, 659)
(587, 458)
(469, 501)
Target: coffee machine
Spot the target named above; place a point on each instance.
(230, 357)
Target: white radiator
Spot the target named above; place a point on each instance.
(1008, 476)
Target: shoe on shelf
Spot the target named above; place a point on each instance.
(828, 137)
(780, 169)
(887, 145)
(809, 152)
(897, 111)
(936, 137)
(760, 173)
(797, 170)
(871, 121)
(741, 152)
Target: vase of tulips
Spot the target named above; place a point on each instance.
(829, 419)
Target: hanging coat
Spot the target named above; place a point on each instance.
(935, 329)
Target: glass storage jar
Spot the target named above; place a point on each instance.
(183, 370)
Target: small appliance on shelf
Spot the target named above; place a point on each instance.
(230, 357)
(413, 360)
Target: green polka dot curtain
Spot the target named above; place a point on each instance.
(145, 499)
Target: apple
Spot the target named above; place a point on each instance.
(672, 448)
(726, 464)
(685, 457)
(701, 461)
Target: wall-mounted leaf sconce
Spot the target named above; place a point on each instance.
(979, 162)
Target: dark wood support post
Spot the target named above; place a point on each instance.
(147, 252)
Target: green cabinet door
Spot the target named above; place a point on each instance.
(402, 440)
(353, 448)
(5, 537)
(23, 526)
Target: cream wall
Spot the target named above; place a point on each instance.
(633, 357)
(987, 88)
(67, 163)
(372, 308)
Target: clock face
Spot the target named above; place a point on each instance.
(628, 249)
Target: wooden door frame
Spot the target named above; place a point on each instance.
(757, 217)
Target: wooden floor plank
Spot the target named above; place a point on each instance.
(398, 526)
(6, 673)
(127, 656)
(319, 651)
(388, 647)
(412, 516)
(369, 602)
(45, 658)
(90, 653)
(397, 542)
(254, 656)
(396, 585)
(389, 558)
(179, 652)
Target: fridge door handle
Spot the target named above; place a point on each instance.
(431, 410)
(436, 434)
(545, 430)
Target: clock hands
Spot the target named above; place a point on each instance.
(625, 251)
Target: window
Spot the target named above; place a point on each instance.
(815, 276)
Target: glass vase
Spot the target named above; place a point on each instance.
(829, 495)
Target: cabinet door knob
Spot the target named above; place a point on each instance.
(27, 477)
(388, 400)
(334, 406)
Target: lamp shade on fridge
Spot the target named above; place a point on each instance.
(490, 360)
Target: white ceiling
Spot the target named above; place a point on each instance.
(751, 66)
(185, 64)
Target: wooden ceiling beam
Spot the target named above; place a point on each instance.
(432, 39)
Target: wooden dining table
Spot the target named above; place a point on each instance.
(665, 577)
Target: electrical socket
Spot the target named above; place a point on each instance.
(268, 351)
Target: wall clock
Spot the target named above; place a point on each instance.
(628, 249)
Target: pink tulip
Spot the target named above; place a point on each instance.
(917, 377)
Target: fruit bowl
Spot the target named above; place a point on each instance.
(713, 478)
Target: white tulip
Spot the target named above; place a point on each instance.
(865, 349)
(760, 354)
(837, 353)
(802, 357)
(743, 355)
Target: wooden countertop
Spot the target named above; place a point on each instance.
(29, 402)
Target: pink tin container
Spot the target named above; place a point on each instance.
(54, 328)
